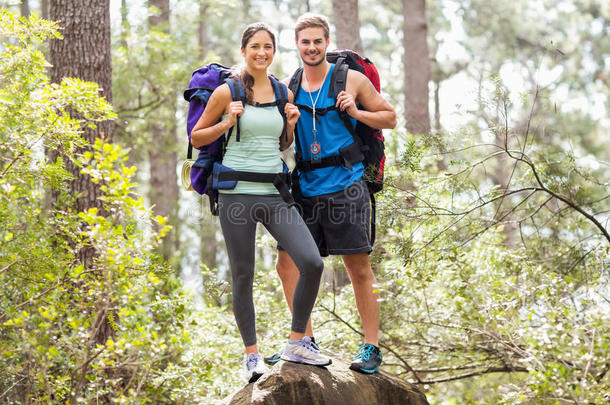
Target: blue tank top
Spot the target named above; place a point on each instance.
(331, 136)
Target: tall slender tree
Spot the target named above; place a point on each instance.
(208, 229)
(204, 40)
(25, 8)
(124, 23)
(162, 153)
(347, 24)
(347, 30)
(416, 66)
(44, 9)
(84, 53)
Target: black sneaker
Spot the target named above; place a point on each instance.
(275, 357)
(367, 359)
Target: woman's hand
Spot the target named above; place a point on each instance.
(236, 109)
(292, 114)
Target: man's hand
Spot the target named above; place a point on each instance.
(346, 102)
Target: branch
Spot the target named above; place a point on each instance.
(506, 369)
(9, 266)
(565, 200)
(11, 387)
(580, 259)
(599, 377)
(4, 315)
(152, 104)
(527, 131)
(89, 360)
(464, 213)
(499, 221)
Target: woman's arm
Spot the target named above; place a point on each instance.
(292, 115)
(208, 128)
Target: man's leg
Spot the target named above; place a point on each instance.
(289, 275)
(361, 274)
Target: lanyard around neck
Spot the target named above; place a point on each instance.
(314, 102)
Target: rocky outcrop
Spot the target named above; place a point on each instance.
(289, 383)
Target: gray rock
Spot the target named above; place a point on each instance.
(289, 383)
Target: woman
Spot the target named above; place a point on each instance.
(249, 202)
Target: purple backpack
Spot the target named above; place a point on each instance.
(203, 82)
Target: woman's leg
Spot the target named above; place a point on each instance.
(239, 231)
(288, 228)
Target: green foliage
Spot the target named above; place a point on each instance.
(51, 306)
(505, 286)
(490, 294)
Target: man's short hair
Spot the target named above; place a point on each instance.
(310, 20)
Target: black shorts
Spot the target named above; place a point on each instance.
(339, 222)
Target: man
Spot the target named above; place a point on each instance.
(335, 202)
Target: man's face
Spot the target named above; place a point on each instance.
(312, 45)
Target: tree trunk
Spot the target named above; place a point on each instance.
(209, 245)
(164, 190)
(417, 66)
(246, 5)
(347, 24)
(208, 228)
(204, 40)
(25, 8)
(441, 164)
(163, 16)
(84, 53)
(437, 107)
(124, 24)
(44, 9)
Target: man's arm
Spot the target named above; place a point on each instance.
(377, 113)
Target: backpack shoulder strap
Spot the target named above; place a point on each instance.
(281, 98)
(295, 82)
(338, 79)
(189, 151)
(338, 84)
(237, 90)
(237, 94)
(280, 91)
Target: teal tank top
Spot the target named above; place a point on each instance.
(258, 149)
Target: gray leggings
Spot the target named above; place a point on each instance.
(239, 214)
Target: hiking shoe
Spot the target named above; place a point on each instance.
(306, 352)
(254, 367)
(275, 357)
(367, 359)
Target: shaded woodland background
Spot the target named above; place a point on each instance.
(492, 238)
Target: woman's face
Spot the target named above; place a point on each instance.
(258, 53)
